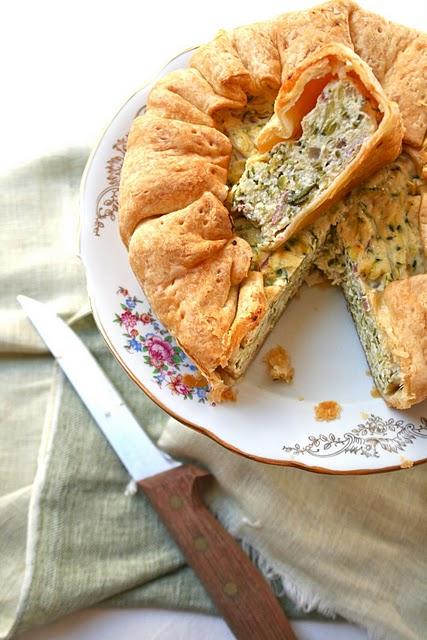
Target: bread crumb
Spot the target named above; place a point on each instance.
(279, 364)
(315, 278)
(405, 463)
(368, 373)
(230, 395)
(364, 415)
(375, 393)
(327, 410)
(300, 398)
(194, 381)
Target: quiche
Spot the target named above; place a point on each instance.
(233, 177)
(377, 253)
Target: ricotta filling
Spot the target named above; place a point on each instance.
(275, 187)
(385, 370)
(376, 242)
(242, 128)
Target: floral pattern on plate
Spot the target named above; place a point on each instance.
(367, 439)
(146, 337)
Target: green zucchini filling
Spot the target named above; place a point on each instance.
(275, 187)
(376, 242)
(242, 128)
(279, 266)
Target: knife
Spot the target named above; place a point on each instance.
(239, 590)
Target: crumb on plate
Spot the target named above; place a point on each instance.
(405, 463)
(368, 373)
(375, 393)
(364, 415)
(230, 394)
(327, 410)
(194, 380)
(300, 398)
(279, 364)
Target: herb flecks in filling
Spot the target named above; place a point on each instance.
(278, 185)
(280, 266)
(242, 128)
(376, 242)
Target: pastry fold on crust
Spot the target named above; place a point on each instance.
(300, 34)
(401, 311)
(398, 57)
(260, 56)
(298, 96)
(423, 223)
(195, 273)
(185, 95)
(219, 62)
(168, 164)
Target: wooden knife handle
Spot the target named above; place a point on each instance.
(239, 590)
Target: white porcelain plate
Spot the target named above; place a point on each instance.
(270, 422)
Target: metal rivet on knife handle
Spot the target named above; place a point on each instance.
(236, 586)
(240, 592)
(230, 588)
(176, 502)
(201, 543)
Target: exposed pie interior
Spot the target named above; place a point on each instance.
(252, 98)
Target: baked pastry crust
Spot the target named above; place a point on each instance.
(297, 96)
(186, 95)
(195, 272)
(177, 161)
(398, 57)
(401, 311)
(168, 165)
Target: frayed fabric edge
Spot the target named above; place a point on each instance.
(282, 580)
(304, 598)
(283, 586)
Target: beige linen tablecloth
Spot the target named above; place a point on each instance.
(70, 537)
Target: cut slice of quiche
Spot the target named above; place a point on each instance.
(377, 254)
(332, 127)
(283, 272)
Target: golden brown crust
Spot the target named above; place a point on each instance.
(188, 86)
(419, 156)
(190, 266)
(301, 34)
(259, 55)
(172, 137)
(398, 57)
(166, 104)
(168, 164)
(333, 60)
(220, 64)
(251, 307)
(401, 311)
(423, 223)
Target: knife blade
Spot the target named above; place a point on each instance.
(238, 589)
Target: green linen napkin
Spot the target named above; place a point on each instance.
(71, 537)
